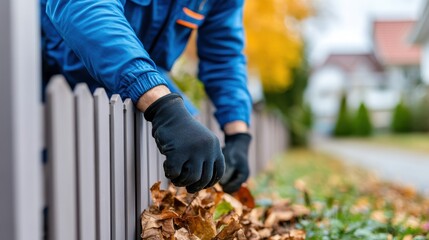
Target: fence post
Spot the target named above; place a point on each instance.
(20, 128)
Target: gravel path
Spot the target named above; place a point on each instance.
(396, 165)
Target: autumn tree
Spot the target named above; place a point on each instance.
(274, 43)
(276, 54)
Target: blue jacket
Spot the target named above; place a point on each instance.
(127, 45)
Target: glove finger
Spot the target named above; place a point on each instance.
(235, 183)
(191, 173)
(218, 171)
(172, 168)
(206, 176)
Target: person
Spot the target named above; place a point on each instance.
(128, 47)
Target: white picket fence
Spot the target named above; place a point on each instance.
(102, 160)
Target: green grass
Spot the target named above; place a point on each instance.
(412, 141)
(345, 202)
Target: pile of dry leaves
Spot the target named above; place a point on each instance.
(213, 214)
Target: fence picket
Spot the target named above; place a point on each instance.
(61, 165)
(117, 166)
(102, 160)
(84, 104)
(130, 169)
(152, 157)
(161, 174)
(252, 148)
(142, 166)
(212, 123)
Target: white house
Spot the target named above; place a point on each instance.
(379, 78)
(420, 36)
(399, 57)
(361, 78)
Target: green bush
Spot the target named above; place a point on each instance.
(308, 116)
(362, 125)
(401, 119)
(343, 125)
(420, 114)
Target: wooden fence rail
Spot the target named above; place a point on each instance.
(102, 161)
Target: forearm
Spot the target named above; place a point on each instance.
(151, 96)
(236, 127)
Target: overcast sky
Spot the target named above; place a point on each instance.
(345, 25)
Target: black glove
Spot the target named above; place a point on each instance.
(194, 157)
(237, 167)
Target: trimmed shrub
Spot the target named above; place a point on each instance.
(401, 119)
(420, 113)
(343, 126)
(362, 125)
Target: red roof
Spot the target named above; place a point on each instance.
(350, 62)
(391, 43)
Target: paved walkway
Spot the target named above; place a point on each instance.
(396, 165)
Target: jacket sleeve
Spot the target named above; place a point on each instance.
(101, 37)
(222, 66)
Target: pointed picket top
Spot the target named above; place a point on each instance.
(82, 90)
(116, 100)
(101, 94)
(57, 86)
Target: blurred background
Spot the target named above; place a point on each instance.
(335, 68)
(349, 79)
(346, 77)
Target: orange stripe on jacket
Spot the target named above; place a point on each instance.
(193, 14)
(187, 24)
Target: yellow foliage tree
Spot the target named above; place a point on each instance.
(274, 43)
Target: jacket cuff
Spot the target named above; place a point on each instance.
(138, 85)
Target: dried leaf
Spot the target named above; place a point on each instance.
(161, 198)
(297, 234)
(245, 197)
(203, 228)
(265, 233)
(183, 234)
(240, 235)
(300, 210)
(231, 227)
(276, 217)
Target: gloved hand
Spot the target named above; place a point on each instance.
(237, 167)
(194, 157)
